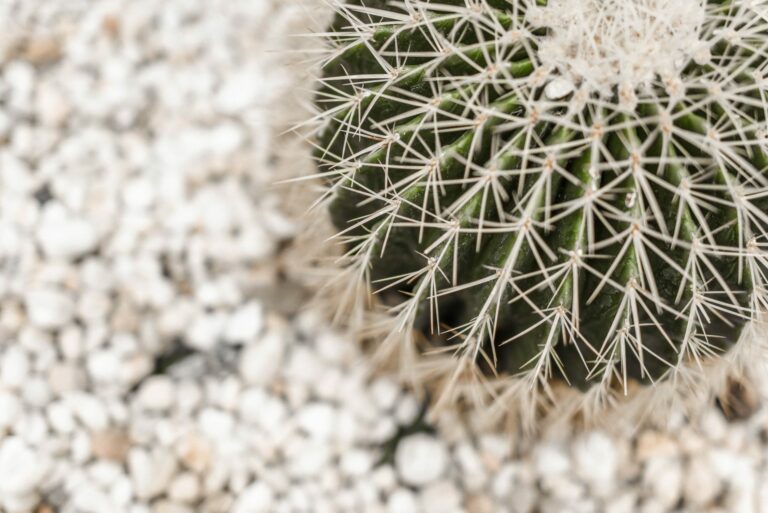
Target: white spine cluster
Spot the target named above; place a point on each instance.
(600, 44)
(601, 69)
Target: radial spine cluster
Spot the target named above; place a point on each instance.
(572, 191)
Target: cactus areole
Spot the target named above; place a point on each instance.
(572, 189)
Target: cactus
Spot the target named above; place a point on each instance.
(569, 191)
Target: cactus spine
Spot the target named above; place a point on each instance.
(572, 190)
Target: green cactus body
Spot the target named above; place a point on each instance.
(543, 206)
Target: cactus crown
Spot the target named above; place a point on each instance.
(573, 189)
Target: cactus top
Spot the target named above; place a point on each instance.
(604, 43)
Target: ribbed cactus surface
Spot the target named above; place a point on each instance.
(573, 189)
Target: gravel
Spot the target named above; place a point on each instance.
(154, 354)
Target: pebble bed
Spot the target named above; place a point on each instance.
(153, 355)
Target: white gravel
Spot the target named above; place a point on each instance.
(151, 356)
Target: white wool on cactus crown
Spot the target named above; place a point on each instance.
(627, 43)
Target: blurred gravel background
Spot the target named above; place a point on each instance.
(154, 354)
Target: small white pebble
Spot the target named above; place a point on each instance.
(356, 463)
(402, 500)
(103, 366)
(257, 498)
(385, 478)
(385, 392)
(151, 474)
(63, 378)
(157, 393)
(238, 92)
(185, 488)
(205, 331)
(473, 474)
(407, 409)
(15, 368)
(215, 423)
(318, 420)
(420, 459)
(61, 418)
(622, 502)
(90, 410)
(309, 458)
(663, 479)
(701, 484)
(194, 451)
(440, 496)
(244, 324)
(262, 359)
(10, 409)
(550, 460)
(62, 236)
(49, 308)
